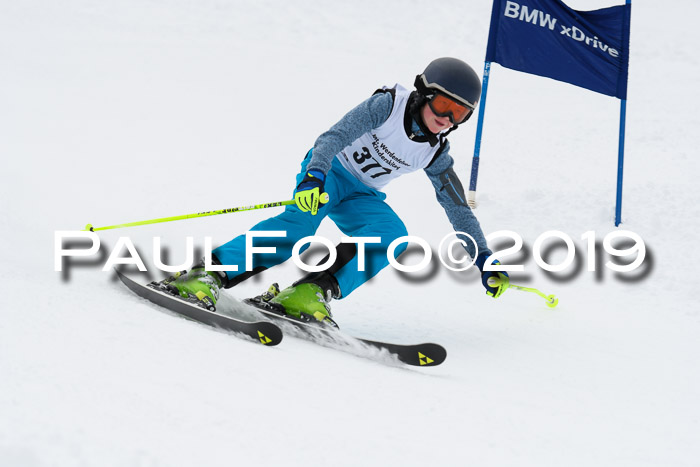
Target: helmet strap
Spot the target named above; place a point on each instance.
(454, 127)
(416, 101)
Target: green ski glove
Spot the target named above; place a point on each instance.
(309, 193)
(495, 282)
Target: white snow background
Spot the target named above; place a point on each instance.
(112, 112)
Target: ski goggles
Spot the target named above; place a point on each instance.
(443, 106)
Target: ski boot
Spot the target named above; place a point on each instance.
(197, 286)
(306, 300)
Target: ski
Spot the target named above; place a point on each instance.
(426, 354)
(265, 332)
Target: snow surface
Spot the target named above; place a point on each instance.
(122, 111)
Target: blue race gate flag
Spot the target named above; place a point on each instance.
(589, 49)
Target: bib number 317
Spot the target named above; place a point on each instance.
(365, 156)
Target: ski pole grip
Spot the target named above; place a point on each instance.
(493, 281)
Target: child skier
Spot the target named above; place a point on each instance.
(394, 132)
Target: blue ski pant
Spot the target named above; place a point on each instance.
(357, 210)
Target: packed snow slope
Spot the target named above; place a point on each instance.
(114, 112)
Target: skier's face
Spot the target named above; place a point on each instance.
(435, 123)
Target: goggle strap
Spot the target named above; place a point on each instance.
(422, 84)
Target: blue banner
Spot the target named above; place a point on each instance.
(589, 49)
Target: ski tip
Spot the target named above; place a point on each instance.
(129, 282)
(124, 278)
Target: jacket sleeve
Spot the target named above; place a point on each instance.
(450, 194)
(370, 114)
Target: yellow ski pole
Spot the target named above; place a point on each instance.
(324, 199)
(552, 301)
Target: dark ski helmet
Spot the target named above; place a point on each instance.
(453, 78)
